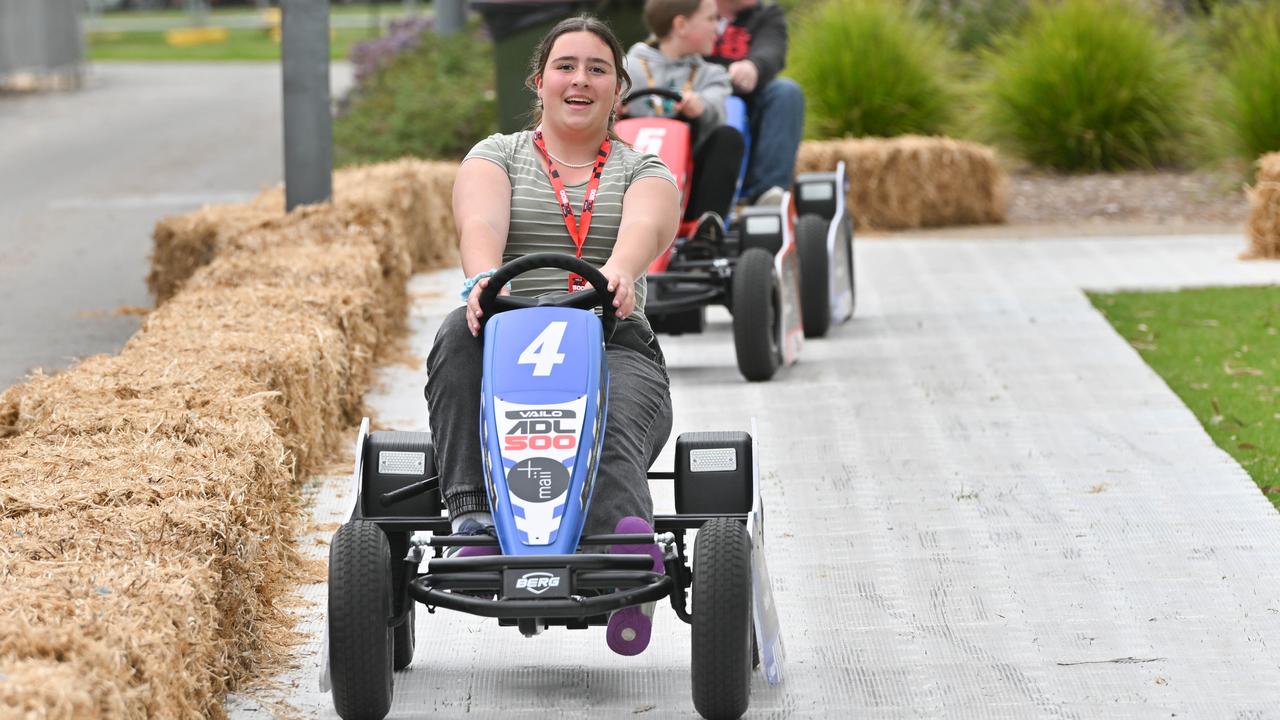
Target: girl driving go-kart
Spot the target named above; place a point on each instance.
(572, 409)
(566, 186)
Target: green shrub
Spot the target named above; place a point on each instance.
(1090, 85)
(971, 24)
(1251, 111)
(434, 101)
(869, 68)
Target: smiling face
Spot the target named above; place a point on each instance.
(579, 84)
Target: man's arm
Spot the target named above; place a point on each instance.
(768, 44)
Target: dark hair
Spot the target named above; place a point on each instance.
(581, 23)
(660, 15)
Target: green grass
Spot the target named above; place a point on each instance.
(241, 44)
(385, 10)
(1219, 350)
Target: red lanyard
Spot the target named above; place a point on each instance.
(577, 228)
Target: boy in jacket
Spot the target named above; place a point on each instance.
(752, 45)
(683, 31)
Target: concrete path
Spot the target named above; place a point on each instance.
(85, 175)
(982, 503)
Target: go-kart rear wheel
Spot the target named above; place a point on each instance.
(360, 641)
(815, 274)
(756, 315)
(722, 628)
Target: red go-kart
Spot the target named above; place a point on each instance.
(784, 272)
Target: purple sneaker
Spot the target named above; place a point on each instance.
(629, 628)
(472, 527)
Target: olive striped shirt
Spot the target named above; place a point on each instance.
(537, 222)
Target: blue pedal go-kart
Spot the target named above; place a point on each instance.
(785, 273)
(544, 407)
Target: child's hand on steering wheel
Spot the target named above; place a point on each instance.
(691, 105)
(623, 287)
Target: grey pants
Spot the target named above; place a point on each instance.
(636, 428)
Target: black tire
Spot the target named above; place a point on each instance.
(815, 274)
(404, 640)
(360, 640)
(722, 627)
(756, 315)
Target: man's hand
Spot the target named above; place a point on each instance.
(744, 74)
(691, 105)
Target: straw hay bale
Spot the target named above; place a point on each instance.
(914, 181)
(183, 243)
(147, 563)
(412, 198)
(151, 497)
(1264, 210)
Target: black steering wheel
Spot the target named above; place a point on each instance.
(655, 91)
(599, 295)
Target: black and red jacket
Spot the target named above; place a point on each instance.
(758, 34)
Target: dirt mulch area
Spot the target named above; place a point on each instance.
(1135, 203)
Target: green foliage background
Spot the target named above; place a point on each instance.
(868, 67)
(435, 101)
(1089, 85)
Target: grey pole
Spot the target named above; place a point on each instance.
(450, 16)
(308, 128)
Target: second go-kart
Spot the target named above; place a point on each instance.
(545, 396)
(784, 272)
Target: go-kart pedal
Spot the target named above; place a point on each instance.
(630, 628)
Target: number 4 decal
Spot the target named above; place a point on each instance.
(544, 352)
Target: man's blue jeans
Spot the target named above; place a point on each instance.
(777, 123)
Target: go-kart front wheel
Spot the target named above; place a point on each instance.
(722, 628)
(815, 274)
(360, 640)
(756, 315)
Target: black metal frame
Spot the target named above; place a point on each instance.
(478, 580)
(710, 279)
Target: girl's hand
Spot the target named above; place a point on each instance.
(623, 287)
(473, 305)
(691, 105)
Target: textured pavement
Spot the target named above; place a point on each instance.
(85, 176)
(981, 503)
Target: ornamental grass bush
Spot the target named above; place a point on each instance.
(868, 67)
(1090, 85)
(434, 100)
(1251, 81)
(971, 24)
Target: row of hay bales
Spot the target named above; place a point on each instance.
(1264, 210)
(148, 499)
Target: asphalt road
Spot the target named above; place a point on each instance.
(85, 175)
